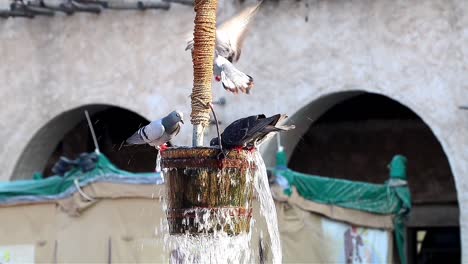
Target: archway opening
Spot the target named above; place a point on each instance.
(68, 135)
(355, 136)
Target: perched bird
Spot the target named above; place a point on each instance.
(63, 165)
(230, 37)
(250, 132)
(85, 162)
(159, 132)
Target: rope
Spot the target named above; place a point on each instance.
(87, 197)
(91, 128)
(204, 37)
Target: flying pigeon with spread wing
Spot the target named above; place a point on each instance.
(250, 132)
(230, 37)
(159, 132)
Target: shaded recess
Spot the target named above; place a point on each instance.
(356, 139)
(354, 135)
(68, 135)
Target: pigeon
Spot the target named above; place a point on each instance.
(63, 165)
(230, 36)
(158, 132)
(250, 132)
(85, 162)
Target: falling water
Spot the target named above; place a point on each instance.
(217, 246)
(213, 248)
(158, 164)
(267, 206)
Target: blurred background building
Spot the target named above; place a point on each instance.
(361, 80)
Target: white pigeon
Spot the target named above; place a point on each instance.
(158, 132)
(230, 37)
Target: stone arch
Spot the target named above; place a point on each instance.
(38, 154)
(312, 112)
(302, 119)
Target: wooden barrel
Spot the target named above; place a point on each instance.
(207, 194)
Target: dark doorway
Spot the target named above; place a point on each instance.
(355, 140)
(113, 125)
(434, 245)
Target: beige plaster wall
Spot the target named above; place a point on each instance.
(415, 53)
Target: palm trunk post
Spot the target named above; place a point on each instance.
(203, 54)
(195, 176)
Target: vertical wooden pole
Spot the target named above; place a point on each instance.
(204, 37)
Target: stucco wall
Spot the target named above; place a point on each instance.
(415, 53)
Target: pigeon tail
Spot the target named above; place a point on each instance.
(235, 81)
(136, 139)
(232, 79)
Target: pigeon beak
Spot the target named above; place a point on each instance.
(182, 121)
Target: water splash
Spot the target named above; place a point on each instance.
(214, 242)
(213, 248)
(214, 245)
(267, 206)
(158, 163)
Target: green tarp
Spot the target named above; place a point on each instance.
(372, 198)
(391, 198)
(59, 186)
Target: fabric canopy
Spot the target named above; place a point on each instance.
(391, 198)
(58, 187)
(49, 215)
(101, 215)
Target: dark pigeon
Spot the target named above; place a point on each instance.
(250, 132)
(63, 165)
(85, 162)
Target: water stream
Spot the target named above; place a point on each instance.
(267, 206)
(218, 246)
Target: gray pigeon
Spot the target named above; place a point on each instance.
(158, 132)
(250, 132)
(230, 36)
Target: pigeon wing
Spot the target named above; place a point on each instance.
(147, 134)
(238, 133)
(233, 79)
(234, 30)
(235, 133)
(259, 128)
(136, 139)
(154, 130)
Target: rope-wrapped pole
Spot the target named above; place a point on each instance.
(204, 37)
